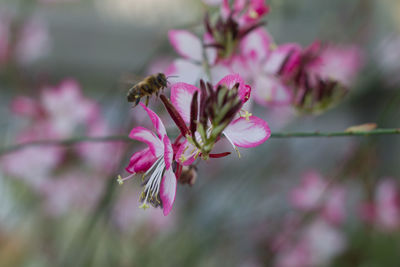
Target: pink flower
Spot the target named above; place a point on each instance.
(314, 245)
(66, 108)
(387, 205)
(33, 165)
(160, 187)
(339, 62)
(315, 194)
(309, 195)
(33, 42)
(245, 11)
(70, 191)
(244, 131)
(189, 68)
(262, 64)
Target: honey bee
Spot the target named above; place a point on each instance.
(150, 85)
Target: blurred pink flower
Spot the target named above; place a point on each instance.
(308, 195)
(33, 41)
(315, 194)
(33, 165)
(314, 245)
(67, 109)
(189, 68)
(245, 12)
(261, 63)
(71, 190)
(341, 63)
(384, 212)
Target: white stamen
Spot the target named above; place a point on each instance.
(235, 147)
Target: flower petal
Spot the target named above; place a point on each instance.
(186, 71)
(160, 128)
(144, 135)
(280, 55)
(168, 191)
(248, 133)
(181, 98)
(186, 44)
(257, 43)
(141, 161)
(168, 152)
(270, 90)
(186, 153)
(232, 79)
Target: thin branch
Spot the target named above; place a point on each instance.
(123, 138)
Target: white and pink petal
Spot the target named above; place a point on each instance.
(185, 70)
(231, 80)
(181, 98)
(168, 191)
(258, 44)
(270, 90)
(158, 124)
(249, 132)
(186, 44)
(141, 161)
(168, 152)
(144, 135)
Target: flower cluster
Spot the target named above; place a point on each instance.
(318, 241)
(310, 79)
(203, 115)
(61, 112)
(22, 43)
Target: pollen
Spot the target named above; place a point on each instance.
(246, 115)
(144, 206)
(253, 14)
(273, 46)
(120, 180)
(182, 158)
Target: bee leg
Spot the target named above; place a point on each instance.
(147, 100)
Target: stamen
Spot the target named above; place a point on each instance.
(235, 147)
(152, 187)
(121, 180)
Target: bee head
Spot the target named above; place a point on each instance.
(132, 95)
(162, 79)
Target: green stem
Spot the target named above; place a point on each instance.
(123, 138)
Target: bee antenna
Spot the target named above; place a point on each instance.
(173, 76)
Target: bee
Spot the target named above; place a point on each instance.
(150, 85)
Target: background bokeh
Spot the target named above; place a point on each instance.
(73, 213)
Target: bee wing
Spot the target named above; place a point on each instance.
(128, 80)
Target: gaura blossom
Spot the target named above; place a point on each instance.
(384, 211)
(243, 131)
(261, 62)
(155, 161)
(190, 66)
(316, 195)
(66, 108)
(319, 75)
(244, 11)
